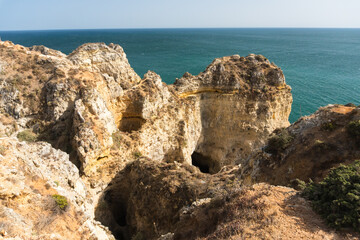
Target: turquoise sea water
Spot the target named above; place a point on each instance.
(321, 65)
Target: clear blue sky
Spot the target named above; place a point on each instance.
(78, 14)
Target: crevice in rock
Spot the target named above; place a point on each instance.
(102, 157)
(129, 124)
(74, 158)
(111, 211)
(204, 163)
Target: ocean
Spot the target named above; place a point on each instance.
(321, 65)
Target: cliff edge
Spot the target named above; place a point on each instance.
(90, 150)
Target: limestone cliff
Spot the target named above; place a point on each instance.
(239, 101)
(92, 105)
(31, 175)
(135, 153)
(318, 143)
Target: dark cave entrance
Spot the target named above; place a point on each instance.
(119, 212)
(201, 161)
(112, 212)
(129, 124)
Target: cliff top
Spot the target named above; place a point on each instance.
(234, 73)
(155, 159)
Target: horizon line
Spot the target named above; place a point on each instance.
(159, 28)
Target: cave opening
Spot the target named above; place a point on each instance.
(201, 161)
(119, 212)
(129, 124)
(112, 212)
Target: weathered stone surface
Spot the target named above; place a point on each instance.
(157, 200)
(320, 142)
(239, 102)
(31, 173)
(135, 140)
(93, 126)
(222, 114)
(47, 51)
(56, 82)
(106, 59)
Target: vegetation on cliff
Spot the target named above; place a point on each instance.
(337, 197)
(353, 129)
(157, 161)
(61, 201)
(27, 136)
(279, 142)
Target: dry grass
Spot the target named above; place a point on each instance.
(261, 212)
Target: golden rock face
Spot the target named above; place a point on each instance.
(78, 102)
(319, 142)
(133, 152)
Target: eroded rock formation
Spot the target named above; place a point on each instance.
(135, 153)
(319, 142)
(31, 174)
(177, 201)
(214, 119)
(239, 101)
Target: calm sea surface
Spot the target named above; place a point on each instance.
(321, 65)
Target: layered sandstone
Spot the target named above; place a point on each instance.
(239, 101)
(81, 103)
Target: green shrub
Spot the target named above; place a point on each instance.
(337, 197)
(321, 146)
(298, 184)
(137, 155)
(350, 105)
(279, 142)
(353, 128)
(329, 126)
(27, 135)
(61, 201)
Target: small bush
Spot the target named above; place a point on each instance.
(279, 142)
(61, 201)
(350, 105)
(337, 197)
(322, 146)
(329, 126)
(353, 128)
(298, 184)
(27, 135)
(137, 155)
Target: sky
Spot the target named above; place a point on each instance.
(95, 14)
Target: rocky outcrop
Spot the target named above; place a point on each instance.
(109, 60)
(155, 200)
(319, 142)
(31, 175)
(239, 101)
(93, 96)
(135, 153)
(40, 86)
